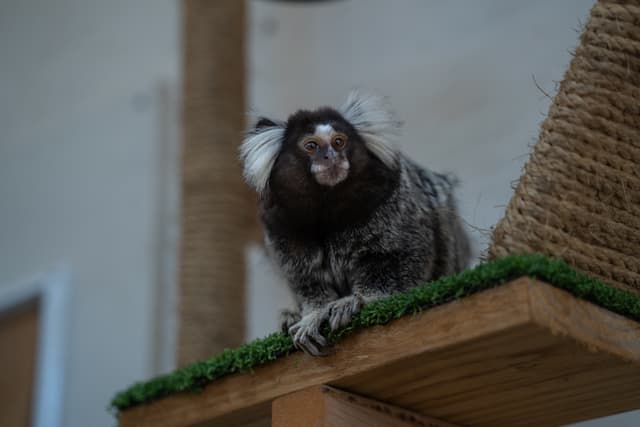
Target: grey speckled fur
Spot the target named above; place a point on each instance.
(412, 236)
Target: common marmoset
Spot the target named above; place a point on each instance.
(347, 217)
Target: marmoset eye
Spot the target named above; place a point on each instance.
(310, 146)
(339, 142)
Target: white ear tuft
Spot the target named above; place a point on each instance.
(258, 153)
(375, 121)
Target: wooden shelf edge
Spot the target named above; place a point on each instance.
(243, 398)
(596, 328)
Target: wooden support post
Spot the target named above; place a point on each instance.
(217, 208)
(324, 406)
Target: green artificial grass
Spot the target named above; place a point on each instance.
(484, 276)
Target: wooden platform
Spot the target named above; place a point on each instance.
(522, 354)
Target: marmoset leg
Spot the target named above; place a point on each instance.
(377, 276)
(306, 332)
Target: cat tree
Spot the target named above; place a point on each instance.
(519, 341)
(579, 197)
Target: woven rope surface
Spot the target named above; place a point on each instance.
(579, 196)
(217, 208)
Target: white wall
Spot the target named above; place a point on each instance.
(79, 156)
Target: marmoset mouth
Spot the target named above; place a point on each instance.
(331, 175)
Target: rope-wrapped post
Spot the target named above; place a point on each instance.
(217, 208)
(579, 196)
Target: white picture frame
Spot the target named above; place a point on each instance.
(52, 291)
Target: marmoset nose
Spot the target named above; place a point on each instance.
(328, 153)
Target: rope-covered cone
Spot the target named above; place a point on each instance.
(579, 196)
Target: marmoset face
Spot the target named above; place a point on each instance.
(322, 145)
(323, 152)
(328, 161)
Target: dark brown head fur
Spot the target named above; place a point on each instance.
(295, 203)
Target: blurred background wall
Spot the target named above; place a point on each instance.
(84, 86)
(89, 101)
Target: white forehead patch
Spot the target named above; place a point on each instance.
(324, 131)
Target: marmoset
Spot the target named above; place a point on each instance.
(347, 217)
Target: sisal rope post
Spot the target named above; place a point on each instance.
(217, 208)
(579, 196)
